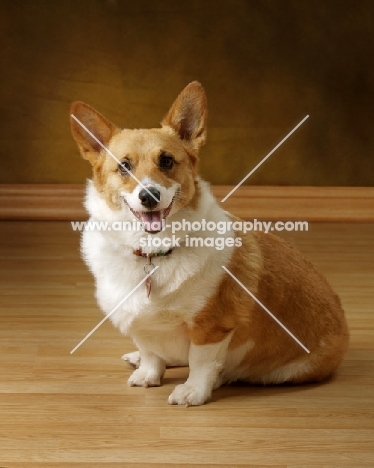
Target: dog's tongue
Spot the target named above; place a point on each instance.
(152, 220)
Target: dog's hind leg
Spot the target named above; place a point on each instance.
(132, 359)
(149, 372)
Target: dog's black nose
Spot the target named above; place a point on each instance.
(147, 199)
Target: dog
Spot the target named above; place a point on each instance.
(182, 308)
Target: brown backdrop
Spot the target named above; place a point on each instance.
(264, 65)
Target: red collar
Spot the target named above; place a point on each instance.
(160, 253)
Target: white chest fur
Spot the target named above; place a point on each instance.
(180, 286)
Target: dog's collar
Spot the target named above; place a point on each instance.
(160, 253)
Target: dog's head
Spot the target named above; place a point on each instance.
(150, 172)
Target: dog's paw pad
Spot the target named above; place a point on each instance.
(186, 395)
(132, 359)
(143, 378)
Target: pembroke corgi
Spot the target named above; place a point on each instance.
(182, 307)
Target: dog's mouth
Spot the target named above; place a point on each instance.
(153, 220)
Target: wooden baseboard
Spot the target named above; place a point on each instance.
(42, 202)
(321, 204)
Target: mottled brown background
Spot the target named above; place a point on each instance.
(264, 64)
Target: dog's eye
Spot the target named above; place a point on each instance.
(123, 166)
(166, 161)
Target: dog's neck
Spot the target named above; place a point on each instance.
(160, 253)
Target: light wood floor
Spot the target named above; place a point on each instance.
(62, 410)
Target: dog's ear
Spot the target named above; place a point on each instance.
(188, 115)
(90, 130)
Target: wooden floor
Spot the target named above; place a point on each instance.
(61, 410)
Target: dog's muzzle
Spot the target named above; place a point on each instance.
(149, 197)
(152, 218)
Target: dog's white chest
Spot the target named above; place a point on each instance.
(181, 285)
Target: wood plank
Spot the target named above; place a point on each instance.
(321, 204)
(75, 411)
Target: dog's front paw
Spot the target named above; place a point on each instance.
(186, 395)
(144, 378)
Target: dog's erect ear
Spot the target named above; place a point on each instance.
(99, 126)
(188, 115)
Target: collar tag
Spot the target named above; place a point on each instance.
(148, 268)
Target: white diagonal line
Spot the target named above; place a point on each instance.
(114, 157)
(115, 308)
(266, 310)
(263, 160)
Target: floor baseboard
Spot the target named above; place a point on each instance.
(319, 204)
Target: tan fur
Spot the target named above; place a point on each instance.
(275, 272)
(296, 293)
